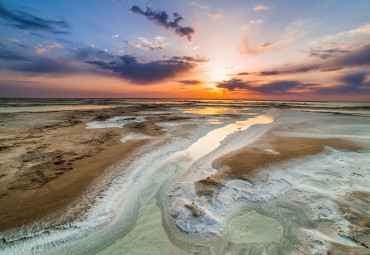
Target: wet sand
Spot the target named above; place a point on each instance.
(49, 159)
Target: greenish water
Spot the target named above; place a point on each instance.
(254, 228)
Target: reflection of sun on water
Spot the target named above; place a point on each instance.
(209, 110)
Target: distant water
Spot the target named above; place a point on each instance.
(51, 108)
(201, 106)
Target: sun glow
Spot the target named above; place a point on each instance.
(218, 75)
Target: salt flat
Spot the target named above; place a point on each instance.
(241, 177)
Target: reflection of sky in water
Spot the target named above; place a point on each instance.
(212, 140)
(210, 110)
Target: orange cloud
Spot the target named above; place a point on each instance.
(259, 7)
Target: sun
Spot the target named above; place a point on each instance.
(219, 75)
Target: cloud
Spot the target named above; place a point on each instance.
(161, 18)
(259, 7)
(14, 40)
(233, 84)
(17, 42)
(361, 30)
(357, 57)
(190, 82)
(190, 59)
(47, 46)
(130, 68)
(246, 48)
(243, 73)
(215, 15)
(96, 61)
(85, 53)
(157, 44)
(256, 21)
(115, 36)
(350, 83)
(199, 5)
(26, 21)
(291, 69)
(30, 89)
(273, 88)
(10, 55)
(280, 87)
(332, 60)
(327, 53)
(47, 66)
(244, 27)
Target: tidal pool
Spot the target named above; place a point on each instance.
(254, 228)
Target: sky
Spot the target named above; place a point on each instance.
(239, 49)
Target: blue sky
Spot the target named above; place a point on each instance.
(215, 49)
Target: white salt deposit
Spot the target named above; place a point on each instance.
(115, 122)
(134, 136)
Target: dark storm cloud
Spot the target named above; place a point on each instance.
(27, 21)
(143, 73)
(272, 88)
(161, 18)
(190, 82)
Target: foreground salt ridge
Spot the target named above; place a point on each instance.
(111, 203)
(345, 171)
